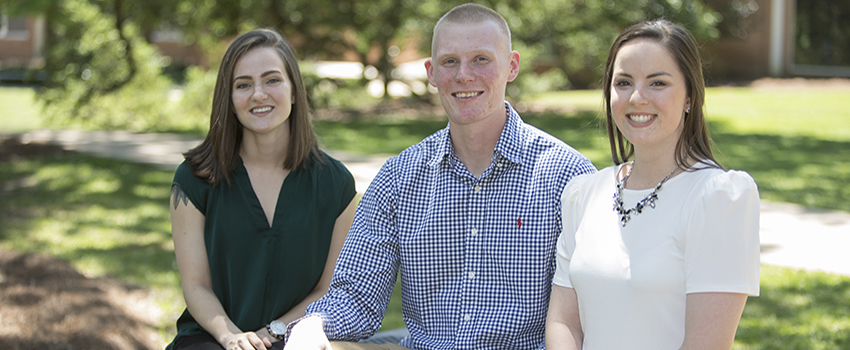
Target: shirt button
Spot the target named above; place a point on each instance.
(474, 231)
(477, 188)
(499, 165)
(472, 275)
(467, 317)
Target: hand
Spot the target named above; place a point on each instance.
(308, 334)
(264, 335)
(245, 341)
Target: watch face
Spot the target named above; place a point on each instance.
(279, 328)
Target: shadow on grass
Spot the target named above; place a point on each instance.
(105, 216)
(802, 170)
(797, 310)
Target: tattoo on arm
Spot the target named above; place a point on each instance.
(177, 196)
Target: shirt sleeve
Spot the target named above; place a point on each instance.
(571, 213)
(722, 248)
(339, 177)
(366, 270)
(196, 189)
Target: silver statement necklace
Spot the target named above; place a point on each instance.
(649, 200)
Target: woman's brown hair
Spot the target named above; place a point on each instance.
(694, 143)
(218, 154)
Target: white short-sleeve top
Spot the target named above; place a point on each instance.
(632, 281)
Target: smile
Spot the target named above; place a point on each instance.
(261, 109)
(640, 118)
(466, 94)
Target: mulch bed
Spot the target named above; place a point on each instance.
(46, 304)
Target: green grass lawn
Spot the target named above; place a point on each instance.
(20, 110)
(110, 218)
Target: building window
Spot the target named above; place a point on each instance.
(822, 33)
(13, 28)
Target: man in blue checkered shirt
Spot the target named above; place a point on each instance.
(469, 216)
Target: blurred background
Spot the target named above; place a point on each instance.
(85, 55)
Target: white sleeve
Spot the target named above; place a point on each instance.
(571, 212)
(722, 249)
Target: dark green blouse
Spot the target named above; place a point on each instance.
(260, 272)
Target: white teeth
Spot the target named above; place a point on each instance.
(640, 118)
(466, 94)
(261, 110)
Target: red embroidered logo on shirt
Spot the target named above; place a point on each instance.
(519, 221)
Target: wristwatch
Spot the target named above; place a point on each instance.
(277, 329)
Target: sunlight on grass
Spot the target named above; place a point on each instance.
(21, 113)
(823, 114)
(797, 310)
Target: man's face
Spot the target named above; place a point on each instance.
(470, 66)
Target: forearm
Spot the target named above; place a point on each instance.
(560, 336)
(563, 323)
(206, 309)
(711, 320)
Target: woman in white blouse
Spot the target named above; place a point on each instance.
(671, 265)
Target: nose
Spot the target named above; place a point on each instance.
(637, 97)
(464, 73)
(259, 94)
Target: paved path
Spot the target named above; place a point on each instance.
(791, 235)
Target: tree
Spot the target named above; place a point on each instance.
(99, 48)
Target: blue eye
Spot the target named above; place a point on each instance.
(241, 86)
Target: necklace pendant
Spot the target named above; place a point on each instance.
(649, 200)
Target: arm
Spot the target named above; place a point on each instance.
(363, 279)
(711, 320)
(341, 227)
(563, 326)
(187, 230)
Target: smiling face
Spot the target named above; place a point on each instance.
(470, 66)
(648, 95)
(262, 92)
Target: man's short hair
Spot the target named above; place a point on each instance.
(473, 13)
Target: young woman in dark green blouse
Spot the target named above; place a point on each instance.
(258, 212)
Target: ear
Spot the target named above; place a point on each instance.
(429, 69)
(688, 105)
(514, 64)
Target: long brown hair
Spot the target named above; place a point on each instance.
(694, 142)
(217, 155)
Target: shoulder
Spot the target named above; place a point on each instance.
(329, 165)
(722, 190)
(195, 188)
(719, 182)
(430, 149)
(583, 185)
(184, 176)
(541, 146)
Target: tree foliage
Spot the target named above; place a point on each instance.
(95, 48)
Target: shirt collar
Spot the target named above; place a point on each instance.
(509, 144)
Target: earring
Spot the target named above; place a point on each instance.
(688, 110)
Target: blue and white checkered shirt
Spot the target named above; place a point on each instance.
(476, 255)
